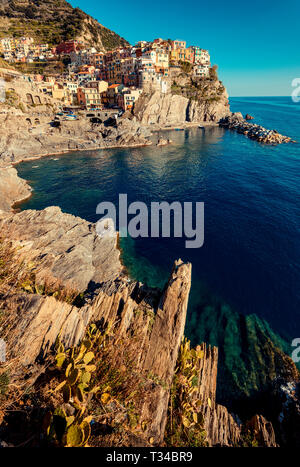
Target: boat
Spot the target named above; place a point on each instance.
(70, 117)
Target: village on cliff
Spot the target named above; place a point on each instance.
(112, 79)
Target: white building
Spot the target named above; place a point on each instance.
(201, 71)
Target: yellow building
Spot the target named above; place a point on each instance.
(58, 92)
(178, 44)
(182, 54)
(91, 94)
(162, 58)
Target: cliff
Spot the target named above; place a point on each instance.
(187, 99)
(53, 21)
(12, 188)
(37, 137)
(57, 278)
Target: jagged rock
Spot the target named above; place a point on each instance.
(68, 247)
(249, 117)
(170, 109)
(20, 139)
(63, 246)
(285, 401)
(236, 122)
(33, 332)
(220, 426)
(262, 430)
(12, 188)
(163, 142)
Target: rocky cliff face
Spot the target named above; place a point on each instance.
(36, 136)
(12, 188)
(187, 100)
(63, 246)
(149, 322)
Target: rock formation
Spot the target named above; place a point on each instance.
(37, 137)
(63, 246)
(236, 122)
(186, 100)
(12, 188)
(67, 248)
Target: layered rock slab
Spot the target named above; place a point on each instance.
(63, 246)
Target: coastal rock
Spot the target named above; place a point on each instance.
(33, 332)
(207, 111)
(63, 246)
(249, 117)
(68, 248)
(20, 139)
(167, 109)
(263, 431)
(12, 188)
(237, 123)
(184, 102)
(163, 142)
(162, 109)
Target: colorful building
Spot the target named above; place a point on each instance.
(67, 47)
(127, 98)
(178, 44)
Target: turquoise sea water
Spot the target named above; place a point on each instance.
(246, 276)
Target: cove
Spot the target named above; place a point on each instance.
(245, 290)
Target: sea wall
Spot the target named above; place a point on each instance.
(237, 123)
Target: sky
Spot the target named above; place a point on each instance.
(256, 43)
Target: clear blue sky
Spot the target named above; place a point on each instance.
(255, 43)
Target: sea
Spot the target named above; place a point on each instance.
(245, 278)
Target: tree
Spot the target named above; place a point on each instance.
(213, 73)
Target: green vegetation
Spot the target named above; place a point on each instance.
(53, 22)
(42, 68)
(99, 380)
(4, 382)
(4, 64)
(186, 66)
(205, 89)
(185, 420)
(77, 389)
